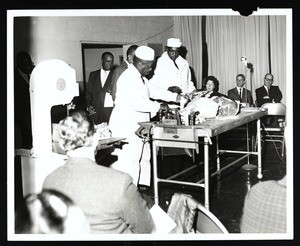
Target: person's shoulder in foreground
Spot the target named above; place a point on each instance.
(265, 208)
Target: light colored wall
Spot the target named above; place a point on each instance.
(61, 37)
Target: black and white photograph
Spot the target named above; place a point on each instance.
(150, 124)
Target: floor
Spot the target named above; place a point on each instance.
(227, 190)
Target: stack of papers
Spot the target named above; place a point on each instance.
(163, 223)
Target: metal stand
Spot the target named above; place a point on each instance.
(248, 166)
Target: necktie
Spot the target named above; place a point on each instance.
(240, 94)
(143, 79)
(268, 91)
(175, 64)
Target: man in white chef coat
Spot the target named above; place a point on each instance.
(133, 105)
(172, 71)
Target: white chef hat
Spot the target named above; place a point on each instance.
(174, 42)
(145, 53)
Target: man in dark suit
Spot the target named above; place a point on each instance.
(268, 93)
(120, 69)
(239, 93)
(22, 112)
(99, 89)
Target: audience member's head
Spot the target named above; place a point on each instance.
(240, 80)
(211, 83)
(76, 130)
(49, 212)
(24, 62)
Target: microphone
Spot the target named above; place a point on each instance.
(244, 60)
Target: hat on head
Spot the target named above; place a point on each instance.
(174, 42)
(145, 53)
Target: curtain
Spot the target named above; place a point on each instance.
(231, 37)
(260, 38)
(278, 52)
(188, 29)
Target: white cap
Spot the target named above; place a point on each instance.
(145, 53)
(174, 42)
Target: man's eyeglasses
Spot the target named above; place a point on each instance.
(268, 79)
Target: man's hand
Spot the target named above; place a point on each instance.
(175, 89)
(91, 110)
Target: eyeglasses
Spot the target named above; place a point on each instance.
(268, 79)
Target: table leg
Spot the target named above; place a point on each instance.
(259, 169)
(155, 178)
(218, 156)
(206, 173)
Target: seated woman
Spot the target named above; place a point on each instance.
(49, 212)
(109, 199)
(211, 85)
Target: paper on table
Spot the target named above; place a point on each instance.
(163, 223)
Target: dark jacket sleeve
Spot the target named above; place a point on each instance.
(277, 95)
(231, 95)
(259, 96)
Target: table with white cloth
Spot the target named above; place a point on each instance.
(181, 136)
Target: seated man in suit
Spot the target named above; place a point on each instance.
(239, 93)
(268, 93)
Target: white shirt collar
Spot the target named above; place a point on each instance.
(105, 71)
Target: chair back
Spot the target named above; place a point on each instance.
(191, 216)
(275, 108)
(207, 222)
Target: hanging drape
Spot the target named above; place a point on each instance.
(278, 52)
(188, 29)
(231, 37)
(259, 38)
